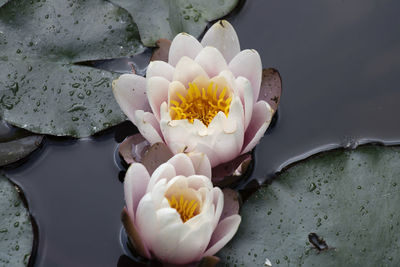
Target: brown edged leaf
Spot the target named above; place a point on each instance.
(162, 50)
(227, 173)
(133, 148)
(271, 88)
(156, 155)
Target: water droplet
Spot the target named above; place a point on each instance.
(81, 96)
(76, 85)
(16, 224)
(312, 187)
(74, 118)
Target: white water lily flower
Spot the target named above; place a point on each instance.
(204, 99)
(176, 214)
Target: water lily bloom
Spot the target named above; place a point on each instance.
(176, 215)
(205, 99)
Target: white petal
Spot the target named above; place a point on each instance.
(130, 92)
(248, 64)
(135, 184)
(193, 245)
(246, 96)
(164, 171)
(161, 69)
(198, 181)
(228, 143)
(223, 37)
(157, 93)
(168, 235)
(146, 220)
(262, 115)
(224, 232)
(187, 70)
(212, 61)
(218, 200)
(148, 126)
(183, 45)
(201, 163)
(183, 165)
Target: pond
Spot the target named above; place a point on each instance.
(339, 61)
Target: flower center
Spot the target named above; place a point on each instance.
(202, 104)
(187, 209)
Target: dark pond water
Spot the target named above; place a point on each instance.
(340, 64)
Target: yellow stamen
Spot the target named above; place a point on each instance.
(186, 208)
(200, 103)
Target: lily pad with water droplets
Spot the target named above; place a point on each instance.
(41, 90)
(16, 143)
(166, 18)
(16, 233)
(350, 199)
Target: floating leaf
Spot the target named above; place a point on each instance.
(40, 88)
(158, 19)
(16, 233)
(348, 198)
(16, 143)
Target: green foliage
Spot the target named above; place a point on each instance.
(16, 233)
(350, 199)
(41, 90)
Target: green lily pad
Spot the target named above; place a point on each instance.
(16, 143)
(348, 198)
(40, 88)
(166, 18)
(16, 233)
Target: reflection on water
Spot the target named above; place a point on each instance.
(339, 61)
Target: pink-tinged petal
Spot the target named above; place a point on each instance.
(224, 232)
(146, 220)
(218, 201)
(164, 171)
(148, 126)
(262, 114)
(248, 64)
(157, 93)
(246, 96)
(130, 93)
(170, 232)
(271, 88)
(201, 164)
(183, 165)
(223, 37)
(135, 184)
(231, 203)
(211, 60)
(134, 235)
(156, 155)
(132, 148)
(183, 45)
(160, 69)
(187, 70)
(193, 245)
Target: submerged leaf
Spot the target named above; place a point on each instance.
(348, 199)
(158, 19)
(16, 233)
(40, 88)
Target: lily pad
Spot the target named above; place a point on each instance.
(350, 199)
(16, 233)
(16, 143)
(40, 88)
(158, 19)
